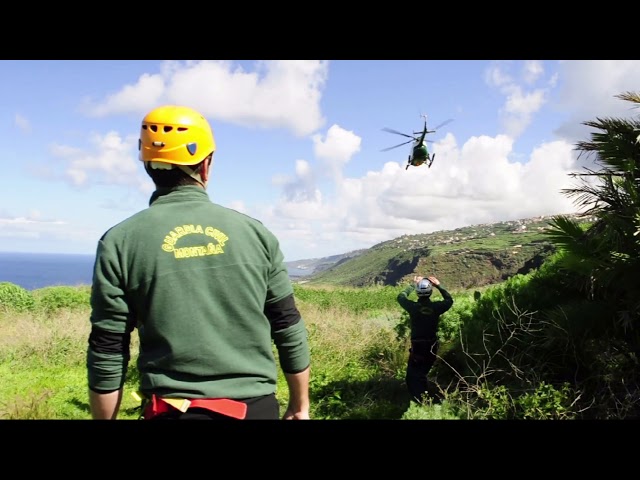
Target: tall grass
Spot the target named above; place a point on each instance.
(43, 353)
(357, 370)
(500, 357)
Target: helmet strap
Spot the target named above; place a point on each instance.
(189, 171)
(185, 168)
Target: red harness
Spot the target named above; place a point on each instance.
(225, 406)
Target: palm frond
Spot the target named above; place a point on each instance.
(628, 96)
(606, 254)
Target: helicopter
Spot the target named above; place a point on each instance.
(419, 152)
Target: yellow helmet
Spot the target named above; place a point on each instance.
(176, 135)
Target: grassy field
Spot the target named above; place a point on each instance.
(529, 347)
(358, 353)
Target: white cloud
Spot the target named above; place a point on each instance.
(336, 150)
(147, 92)
(36, 227)
(524, 103)
(277, 94)
(22, 123)
(532, 70)
(300, 187)
(495, 76)
(472, 184)
(113, 160)
(521, 104)
(588, 89)
(18, 221)
(338, 146)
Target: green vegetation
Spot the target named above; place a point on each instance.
(13, 297)
(485, 254)
(45, 300)
(555, 338)
(359, 344)
(563, 341)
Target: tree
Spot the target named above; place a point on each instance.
(605, 254)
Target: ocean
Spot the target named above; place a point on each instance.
(38, 270)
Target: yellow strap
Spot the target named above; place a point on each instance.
(181, 404)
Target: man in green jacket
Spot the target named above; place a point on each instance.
(424, 316)
(205, 286)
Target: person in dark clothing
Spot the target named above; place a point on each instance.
(424, 315)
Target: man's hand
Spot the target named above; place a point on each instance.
(434, 281)
(298, 383)
(416, 279)
(292, 414)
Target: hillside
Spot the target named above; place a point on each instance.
(467, 257)
(306, 267)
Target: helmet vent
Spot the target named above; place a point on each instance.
(167, 129)
(182, 129)
(154, 128)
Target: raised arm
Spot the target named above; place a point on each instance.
(403, 296)
(447, 301)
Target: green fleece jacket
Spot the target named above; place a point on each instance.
(209, 293)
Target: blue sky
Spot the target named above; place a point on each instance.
(299, 143)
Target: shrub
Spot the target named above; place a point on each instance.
(15, 298)
(51, 299)
(547, 403)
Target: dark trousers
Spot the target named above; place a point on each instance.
(422, 356)
(258, 408)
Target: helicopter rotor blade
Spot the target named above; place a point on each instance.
(396, 146)
(446, 122)
(391, 130)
